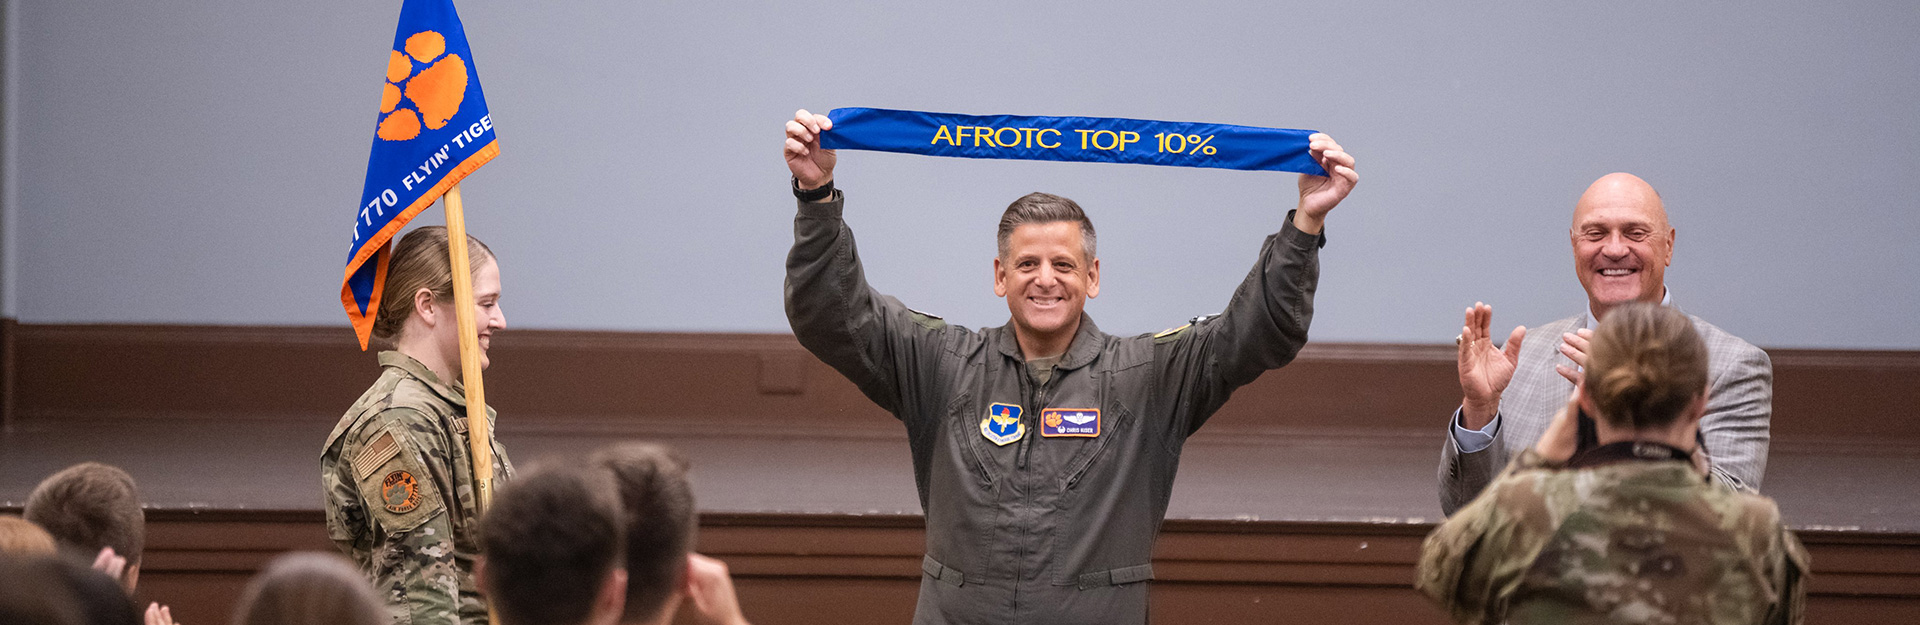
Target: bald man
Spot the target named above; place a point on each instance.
(1622, 245)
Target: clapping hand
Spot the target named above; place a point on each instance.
(1485, 370)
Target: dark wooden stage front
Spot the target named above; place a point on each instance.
(1304, 501)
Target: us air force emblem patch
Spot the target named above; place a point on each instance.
(1003, 424)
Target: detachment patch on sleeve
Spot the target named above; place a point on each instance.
(375, 454)
(399, 492)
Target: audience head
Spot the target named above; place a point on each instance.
(657, 503)
(89, 506)
(1646, 369)
(551, 550)
(50, 590)
(21, 538)
(310, 589)
(1622, 242)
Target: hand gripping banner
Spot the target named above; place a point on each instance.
(433, 130)
(1082, 139)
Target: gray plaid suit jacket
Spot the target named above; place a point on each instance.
(1739, 411)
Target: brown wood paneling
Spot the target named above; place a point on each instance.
(8, 329)
(796, 568)
(570, 377)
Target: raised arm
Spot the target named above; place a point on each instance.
(888, 351)
(1472, 454)
(1265, 323)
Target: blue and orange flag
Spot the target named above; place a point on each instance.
(433, 130)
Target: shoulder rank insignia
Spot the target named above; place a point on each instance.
(1079, 422)
(400, 492)
(1002, 424)
(927, 320)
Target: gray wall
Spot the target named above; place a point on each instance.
(198, 162)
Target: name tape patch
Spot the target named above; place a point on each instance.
(1070, 422)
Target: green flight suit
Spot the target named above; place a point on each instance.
(1043, 490)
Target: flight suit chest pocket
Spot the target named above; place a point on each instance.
(963, 427)
(1115, 428)
(398, 492)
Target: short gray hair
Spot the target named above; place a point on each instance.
(1042, 208)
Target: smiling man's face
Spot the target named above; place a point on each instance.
(1622, 243)
(1046, 277)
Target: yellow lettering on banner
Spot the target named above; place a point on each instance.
(1083, 136)
(983, 132)
(942, 133)
(1126, 137)
(1003, 142)
(1043, 138)
(1114, 142)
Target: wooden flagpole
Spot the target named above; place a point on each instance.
(479, 429)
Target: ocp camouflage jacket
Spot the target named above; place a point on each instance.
(397, 474)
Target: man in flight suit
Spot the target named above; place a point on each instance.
(1044, 450)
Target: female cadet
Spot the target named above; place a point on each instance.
(1631, 531)
(397, 471)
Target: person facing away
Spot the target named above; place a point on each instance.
(307, 588)
(89, 508)
(22, 538)
(663, 572)
(1622, 244)
(59, 589)
(1044, 450)
(553, 552)
(1632, 530)
(397, 472)
(92, 510)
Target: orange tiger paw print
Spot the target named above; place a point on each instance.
(424, 75)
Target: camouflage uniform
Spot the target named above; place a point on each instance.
(387, 471)
(1636, 540)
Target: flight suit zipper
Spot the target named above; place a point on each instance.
(1106, 387)
(1036, 401)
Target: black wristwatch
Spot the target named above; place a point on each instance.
(812, 195)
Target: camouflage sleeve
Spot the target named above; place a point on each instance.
(412, 560)
(1450, 572)
(1790, 564)
(1473, 561)
(346, 512)
(418, 576)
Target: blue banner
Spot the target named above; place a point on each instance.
(433, 130)
(1080, 139)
